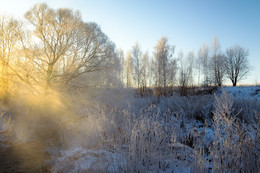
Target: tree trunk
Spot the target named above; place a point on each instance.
(4, 81)
(48, 78)
(234, 82)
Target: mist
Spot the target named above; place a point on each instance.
(71, 101)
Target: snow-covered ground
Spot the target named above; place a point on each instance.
(79, 160)
(244, 91)
(117, 132)
(193, 135)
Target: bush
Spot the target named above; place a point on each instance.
(235, 148)
(6, 128)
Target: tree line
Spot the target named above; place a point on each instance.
(211, 66)
(56, 49)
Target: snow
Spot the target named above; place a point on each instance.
(244, 91)
(80, 159)
(117, 122)
(91, 160)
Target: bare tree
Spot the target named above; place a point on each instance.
(153, 69)
(137, 56)
(171, 72)
(64, 47)
(190, 59)
(10, 31)
(120, 55)
(218, 69)
(184, 72)
(112, 74)
(237, 65)
(162, 53)
(144, 70)
(217, 63)
(203, 64)
(128, 69)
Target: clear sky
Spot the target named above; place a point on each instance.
(186, 23)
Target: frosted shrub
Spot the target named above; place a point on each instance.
(234, 146)
(6, 127)
(173, 134)
(194, 107)
(155, 142)
(116, 127)
(147, 141)
(246, 108)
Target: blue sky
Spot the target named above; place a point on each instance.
(186, 23)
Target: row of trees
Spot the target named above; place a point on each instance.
(211, 66)
(56, 49)
(141, 70)
(232, 64)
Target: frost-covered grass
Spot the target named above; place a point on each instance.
(173, 133)
(235, 144)
(114, 131)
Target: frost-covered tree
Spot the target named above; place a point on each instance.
(162, 58)
(218, 69)
(153, 72)
(63, 47)
(203, 64)
(217, 63)
(144, 69)
(112, 74)
(120, 55)
(128, 69)
(184, 71)
(136, 54)
(10, 33)
(190, 60)
(237, 64)
(171, 72)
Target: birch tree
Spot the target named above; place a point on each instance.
(136, 54)
(184, 74)
(163, 53)
(128, 69)
(144, 69)
(203, 64)
(120, 55)
(190, 60)
(217, 63)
